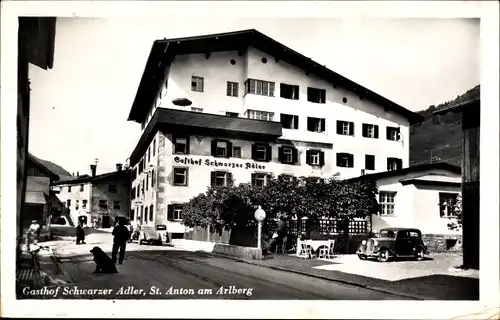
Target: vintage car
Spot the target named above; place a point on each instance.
(394, 243)
(153, 236)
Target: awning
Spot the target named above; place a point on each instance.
(35, 197)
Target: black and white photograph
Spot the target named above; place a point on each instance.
(206, 154)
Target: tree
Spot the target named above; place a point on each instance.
(456, 219)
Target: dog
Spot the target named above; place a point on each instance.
(103, 263)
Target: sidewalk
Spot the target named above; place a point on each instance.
(420, 280)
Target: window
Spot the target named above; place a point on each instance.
(316, 95)
(260, 179)
(232, 89)
(68, 203)
(260, 87)
(174, 212)
(287, 177)
(261, 152)
(154, 146)
(181, 145)
(103, 204)
(138, 190)
(221, 148)
(315, 124)
(146, 214)
(345, 128)
(413, 234)
(82, 187)
(180, 176)
(153, 178)
(197, 84)
(370, 131)
(112, 188)
(369, 162)
(149, 154)
(290, 121)
(116, 205)
(221, 178)
(288, 91)
(447, 202)
(394, 164)
(147, 182)
(287, 155)
(386, 201)
(315, 157)
(314, 180)
(237, 152)
(69, 188)
(345, 160)
(392, 133)
(193, 109)
(260, 115)
(132, 214)
(77, 204)
(84, 204)
(151, 212)
(232, 114)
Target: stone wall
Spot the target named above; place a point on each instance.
(438, 243)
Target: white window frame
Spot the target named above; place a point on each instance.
(446, 209)
(393, 134)
(387, 201)
(199, 110)
(232, 89)
(177, 213)
(260, 115)
(345, 128)
(197, 84)
(261, 149)
(224, 176)
(370, 130)
(176, 142)
(288, 155)
(393, 165)
(314, 157)
(221, 145)
(260, 87)
(184, 174)
(264, 177)
(345, 157)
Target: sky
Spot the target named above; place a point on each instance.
(79, 109)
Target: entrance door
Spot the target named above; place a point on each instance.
(106, 222)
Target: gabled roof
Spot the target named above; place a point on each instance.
(86, 178)
(163, 52)
(469, 98)
(37, 163)
(412, 169)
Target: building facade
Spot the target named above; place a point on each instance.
(237, 107)
(105, 197)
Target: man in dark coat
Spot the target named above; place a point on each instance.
(120, 237)
(80, 234)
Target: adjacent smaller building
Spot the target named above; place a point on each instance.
(105, 197)
(420, 197)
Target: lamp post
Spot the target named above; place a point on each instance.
(259, 215)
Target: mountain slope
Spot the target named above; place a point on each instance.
(438, 138)
(57, 169)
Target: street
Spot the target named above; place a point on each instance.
(151, 272)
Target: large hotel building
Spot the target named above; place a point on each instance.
(237, 107)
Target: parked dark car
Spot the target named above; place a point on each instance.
(154, 236)
(394, 243)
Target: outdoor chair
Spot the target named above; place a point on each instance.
(327, 252)
(305, 251)
(281, 248)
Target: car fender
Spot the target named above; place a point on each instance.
(391, 252)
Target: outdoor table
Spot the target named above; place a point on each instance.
(314, 244)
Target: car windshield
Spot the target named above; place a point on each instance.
(387, 234)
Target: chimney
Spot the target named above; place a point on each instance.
(93, 167)
(118, 167)
(73, 174)
(362, 172)
(78, 173)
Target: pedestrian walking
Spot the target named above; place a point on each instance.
(80, 233)
(120, 237)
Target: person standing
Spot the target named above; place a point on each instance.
(34, 231)
(120, 238)
(80, 233)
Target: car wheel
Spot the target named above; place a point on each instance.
(419, 254)
(361, 257)
(383, 256)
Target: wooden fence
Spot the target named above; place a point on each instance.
(326, 227)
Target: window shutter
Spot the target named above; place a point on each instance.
(153, 178)
(339, 127)
(230, 178)
(351, 161)
(269, 152)
(365, 130)
(187, 144)
(170, 212)
(351, 128)
(388, 133)
(296, 118)
(280, 154)
(400, 164)
(321, 158)
(308, 156)
(376, 132)
(309, 125)
(254, 151)
(338, 159)
(212, 178)
(295, 156)
(388, 164)
(229, 149)
(214, 147)
(253, 179)
(323, 125)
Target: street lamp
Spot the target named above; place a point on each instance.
(259, 215)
